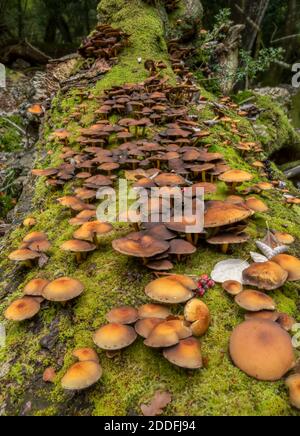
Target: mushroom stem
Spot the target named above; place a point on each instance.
(189, 238)
(224, 248)
(78, 257)
(136, 227)
(28, 263)
(203, 176)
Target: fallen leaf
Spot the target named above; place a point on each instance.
(159, 402)
(231, 269)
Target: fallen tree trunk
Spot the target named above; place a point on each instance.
(22, 50)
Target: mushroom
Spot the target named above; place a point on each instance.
(171, 289)
(284, 238)
(286, 321)
(35, 287)
(163, 335)
(114, 336)
(180, 248)
(232, 287)
(81, 375)
(256, 204)
(144, 327)
(153, 311)
(227, 239)
(254, 301)
(63, 289)
(29, 222)
(198, 314)
(262, 349)
(92, 231)
(263, 314)
(86, 354)
(80, 248)
(160, 265)
(22, 309)
(220, 214)
(122, 315)
(140, 245)
(235, 177)
(293, 383)
(25, 256)
(187, 354)
(265, 275)
(290, 264)
(83, 217)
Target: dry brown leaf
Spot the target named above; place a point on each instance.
(159, 402)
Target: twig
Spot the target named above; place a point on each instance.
(13, 124)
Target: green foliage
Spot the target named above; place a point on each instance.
(10, 137)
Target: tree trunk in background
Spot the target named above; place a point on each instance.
(291, 28)
(5, 32)
(87, 16)
(20, 20)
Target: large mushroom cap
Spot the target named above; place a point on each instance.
(63, 289)
(254, 301)
(86, 354)
(290, 264)
(198, 313)
(222, 213)
(23, 255)
(170, 290)
(293, 383)
(187, 354)
(163, 335)
(145, 326)
(140, 245)
(82, 375)
(265, 275)
(181, 247)
(22, 309)
(114, 336)
(262, 349)
(35, 287)
(123, 315)
(235, 176)
(153, 311)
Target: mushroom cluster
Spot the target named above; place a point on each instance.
(105, 42)
(37, 290)
(154, 322)
(33, 247)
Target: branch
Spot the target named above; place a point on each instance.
(296, 35)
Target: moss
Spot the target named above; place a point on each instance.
(10, 138)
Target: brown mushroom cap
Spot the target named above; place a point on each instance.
(228, 238)
(35, 236)
(254, 301)
(286, 321)
(293, 383)
(86, 354)
(23, 255)
(284, 238)
(140, 245)
(263, 314)
(187, 354)
(198, 313)
(181, 327)
(40, 246)
(221, 214)
(114, 336)
(35, 287)
(232, 287)
(256, 205)
(163, 335)
(153, 311)
(169, 290)
(63, 289)
(22, 309)
(262, 349)
(265, 275)
(77, 246)
(235, 176)
(82, 375)
(122, 315)
(181, 247)
(290, 264)
(169, 179)
(145, 326)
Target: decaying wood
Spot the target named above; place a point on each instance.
(22, 50)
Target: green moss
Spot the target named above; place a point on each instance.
(10, 137)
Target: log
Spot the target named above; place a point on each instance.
(290, 174)
(22, 50)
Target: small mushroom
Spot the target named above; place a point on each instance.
(232, 287)
(291, 264)
(35, 287)
(293, 383)
(265, 275)
(284, 238)
(145, 326)
(22, 309)
(163, 335)
(256, 205)
(227, 239)
(171, 289)
(122, 315)
(63, 289)
(153, 311)
(85, 354)
(80, 248)
(263, 314)
(81, 375)
(180, 248)
(114, 336)
(198, 314)
(187, 354)
(235, 177)
(262, 349)
(286, 321)
(25, 256)
(254, 301)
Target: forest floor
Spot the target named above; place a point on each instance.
(110, 279)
